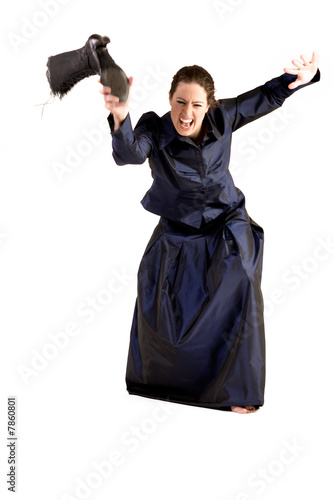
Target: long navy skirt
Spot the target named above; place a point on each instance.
(197, 336)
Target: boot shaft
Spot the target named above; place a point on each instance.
(67, 69)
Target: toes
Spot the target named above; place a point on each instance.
(239, 409)
(243, 409)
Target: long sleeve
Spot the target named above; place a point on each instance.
(132, 146)
(262, 100)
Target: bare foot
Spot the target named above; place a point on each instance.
(243, 409)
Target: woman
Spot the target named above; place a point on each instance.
(198, 333)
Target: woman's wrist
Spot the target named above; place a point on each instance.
(118, 121)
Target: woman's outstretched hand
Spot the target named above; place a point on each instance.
(304, 69)
(119, 110)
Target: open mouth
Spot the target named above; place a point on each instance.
(185, 124)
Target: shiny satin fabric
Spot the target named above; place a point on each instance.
(198, 331)
(192, 183)
(197, 335)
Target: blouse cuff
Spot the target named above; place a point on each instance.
(288, 78)
(124, 133)
(125, 126)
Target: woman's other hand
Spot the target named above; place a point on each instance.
(304, 69)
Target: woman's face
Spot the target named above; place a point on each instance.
(188, 108)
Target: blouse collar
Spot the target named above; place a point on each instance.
(168, 132)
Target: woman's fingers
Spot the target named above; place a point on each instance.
(305, 60)
(292, 71)
(105, 90)
(315, 58)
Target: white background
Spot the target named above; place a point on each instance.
(65, 237)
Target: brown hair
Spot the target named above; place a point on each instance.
(197, 74)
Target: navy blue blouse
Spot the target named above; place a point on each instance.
(192, 183)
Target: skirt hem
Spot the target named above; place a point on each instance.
(171, 398)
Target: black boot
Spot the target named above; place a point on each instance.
(67, 69)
